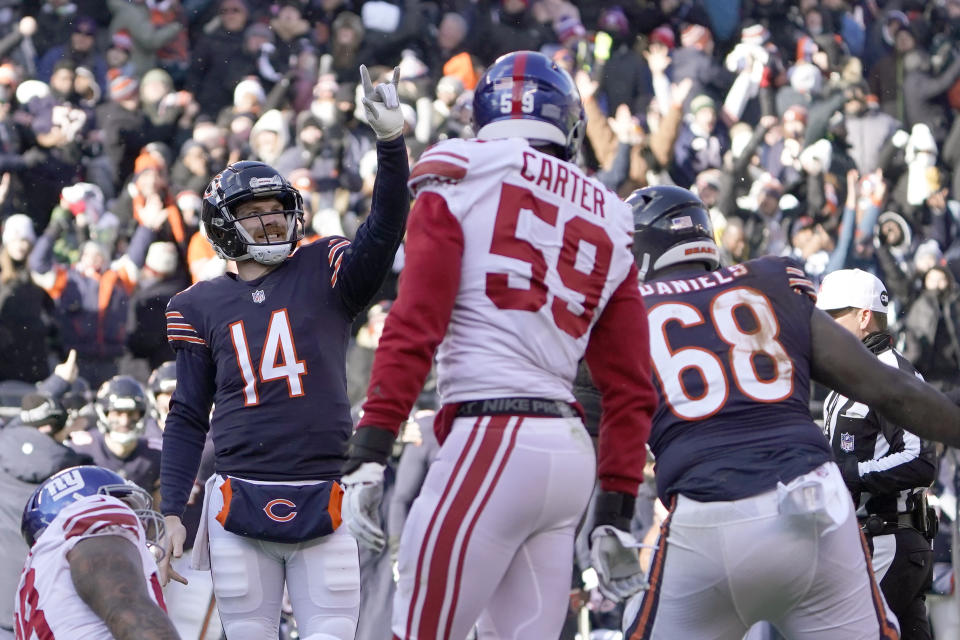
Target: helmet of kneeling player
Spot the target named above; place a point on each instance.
(65, 487)
(160, 387)
(525, 94)
(671, 226)
(258, 236)
(121, 407)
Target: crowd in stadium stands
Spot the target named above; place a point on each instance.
(824, 130)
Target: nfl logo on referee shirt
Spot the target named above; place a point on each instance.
(258, 296)
(846, 442)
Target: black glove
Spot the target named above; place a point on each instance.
(368, 444)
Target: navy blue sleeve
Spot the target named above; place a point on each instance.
(54, 385)
(368, 259)
(186, 429)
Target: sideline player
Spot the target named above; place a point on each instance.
(519, 264)
(886, 468)
(90, 573)
(266, 346)
(761, 526)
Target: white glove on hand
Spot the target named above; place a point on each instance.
(614, 557)
(360, 510)
(382, 105)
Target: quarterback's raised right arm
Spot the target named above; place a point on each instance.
(106, 572)
(842, 363)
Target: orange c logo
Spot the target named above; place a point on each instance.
(281, 501)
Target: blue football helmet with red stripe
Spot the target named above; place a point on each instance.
(65, 487)
(525, 94)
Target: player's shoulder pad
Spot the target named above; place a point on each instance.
(446, 162)
(91, 515)
(792, 270)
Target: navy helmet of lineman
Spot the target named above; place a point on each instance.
(548, 112)
(267, 237)
(671, 226)
(121, 407)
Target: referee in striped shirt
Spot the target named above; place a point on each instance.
(887, 469)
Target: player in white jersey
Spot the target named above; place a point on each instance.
(90, 573)
(521, 265)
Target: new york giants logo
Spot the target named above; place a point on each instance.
(281, 502)
(64, 484)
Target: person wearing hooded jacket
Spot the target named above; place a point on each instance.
(29, 454)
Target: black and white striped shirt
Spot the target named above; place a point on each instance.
(882, 463)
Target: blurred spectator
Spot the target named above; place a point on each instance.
(625, 76)
(26, 311)
(80, 49)
(91, 298)
(922, 89)
(192, 170)
(156, 32)
(509, 27)
(887, 75)
(931, 330)
(160, 279)
(701, 142)
(694, 59)
(219, 60)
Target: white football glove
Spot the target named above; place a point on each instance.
(382, 105)
(614, 557)
(362, 493)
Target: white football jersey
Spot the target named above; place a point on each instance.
(545, 247)
(47, 604)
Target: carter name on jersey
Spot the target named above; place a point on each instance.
(553, 175)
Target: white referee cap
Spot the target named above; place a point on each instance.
(852, 288)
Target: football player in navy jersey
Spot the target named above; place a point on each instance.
(761, 526)
(266, 348)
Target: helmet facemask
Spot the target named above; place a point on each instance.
(141, 503)
(270, 249)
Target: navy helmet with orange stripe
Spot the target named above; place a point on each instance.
(242, 182)
(671, 226)
(66, 487)
(525, 94)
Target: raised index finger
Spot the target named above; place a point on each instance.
(396, 76)
(365, 80)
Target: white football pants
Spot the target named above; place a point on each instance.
(793, 556)
(322, 578)
(492, 531)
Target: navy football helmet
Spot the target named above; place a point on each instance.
(671, 226)
(121, 393)
(65, 487)
(238, 183)
(163, 379)
(525, 94)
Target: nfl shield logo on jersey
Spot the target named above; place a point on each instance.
(846, 442)
(258, 296)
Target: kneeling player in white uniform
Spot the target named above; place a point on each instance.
(90, 573)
